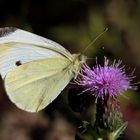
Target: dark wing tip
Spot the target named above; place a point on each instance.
(7, 30)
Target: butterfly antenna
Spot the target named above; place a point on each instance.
(94, 40)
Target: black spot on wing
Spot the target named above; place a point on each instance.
(18, 63)
(7, 30)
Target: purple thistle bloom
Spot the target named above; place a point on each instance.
(103, 81)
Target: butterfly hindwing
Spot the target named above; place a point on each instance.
(34, 85)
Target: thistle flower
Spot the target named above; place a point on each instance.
(107, 80)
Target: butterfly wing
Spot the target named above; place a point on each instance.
(17, 45)
(34, 85)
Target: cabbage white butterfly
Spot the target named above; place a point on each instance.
(35, 69)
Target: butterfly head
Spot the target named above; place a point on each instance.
(82, 58)
(79, 59)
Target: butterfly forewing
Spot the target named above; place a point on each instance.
(18, 45)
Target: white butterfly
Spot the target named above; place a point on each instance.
(35, 69)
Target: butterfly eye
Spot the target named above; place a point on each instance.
(18, 63)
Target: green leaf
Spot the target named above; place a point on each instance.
(120, 130)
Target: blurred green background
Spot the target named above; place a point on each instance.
(74, 24)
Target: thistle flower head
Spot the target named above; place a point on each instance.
(107, 80)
